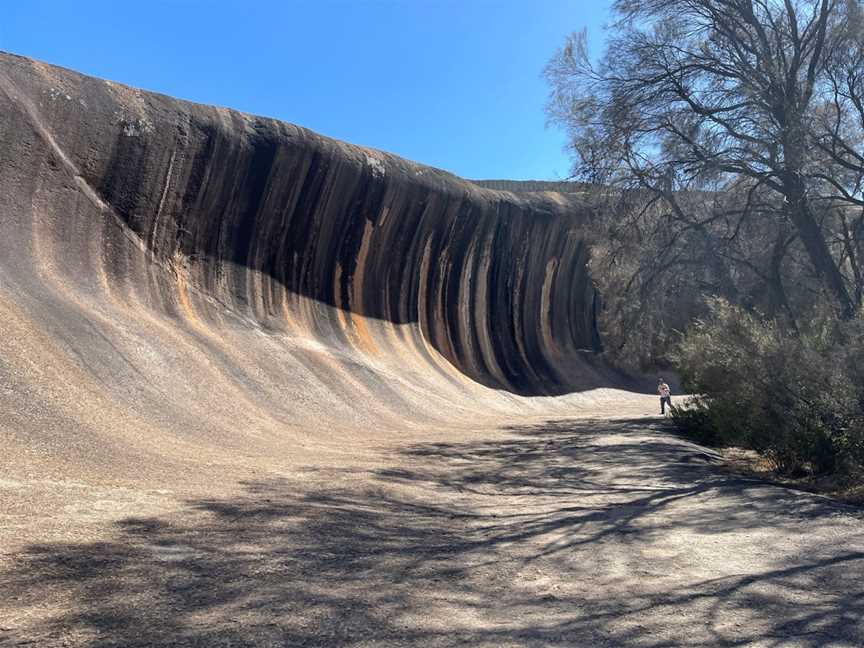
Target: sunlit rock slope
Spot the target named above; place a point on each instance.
(167, 266)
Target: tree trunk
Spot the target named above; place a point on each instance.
(852, 254)
(779, 300)
(814, 243)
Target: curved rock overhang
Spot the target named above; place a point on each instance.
(208, 214)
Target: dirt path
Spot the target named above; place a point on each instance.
(562, 533)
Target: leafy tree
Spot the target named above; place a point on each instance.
(737, 125)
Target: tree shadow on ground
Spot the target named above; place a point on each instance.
(538, 538)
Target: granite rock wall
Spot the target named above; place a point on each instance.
(252, 213)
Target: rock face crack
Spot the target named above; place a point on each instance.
(16, 99)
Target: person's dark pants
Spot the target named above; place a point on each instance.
(664, 401)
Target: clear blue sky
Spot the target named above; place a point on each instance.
(454, 84)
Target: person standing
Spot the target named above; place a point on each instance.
(665, 396)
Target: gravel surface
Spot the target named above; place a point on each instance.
(572, 532)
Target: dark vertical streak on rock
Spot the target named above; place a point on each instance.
(260, 213)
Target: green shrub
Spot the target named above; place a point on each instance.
(696, 420)
(797, 398)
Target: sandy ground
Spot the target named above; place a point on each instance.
(606, 531)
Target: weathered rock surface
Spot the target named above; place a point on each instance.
(256, 213)
(172, 270)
